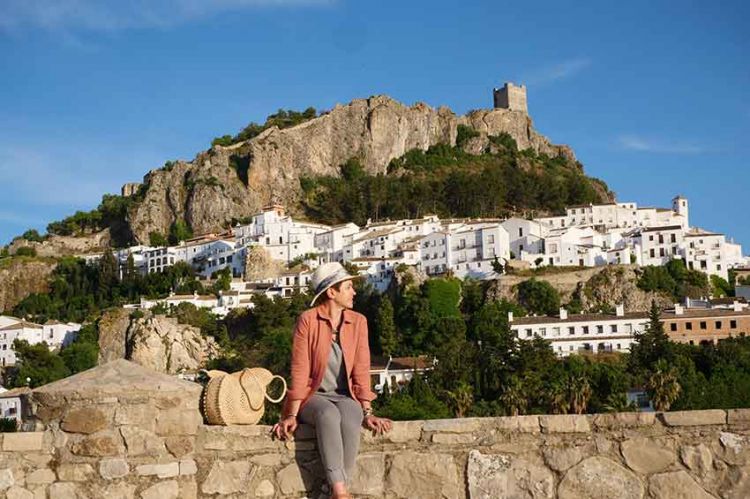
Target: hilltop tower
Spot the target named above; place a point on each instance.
(511, 97)
(680, 206)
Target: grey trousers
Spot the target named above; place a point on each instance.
(337, 420)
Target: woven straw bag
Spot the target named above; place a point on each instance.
(238, 398)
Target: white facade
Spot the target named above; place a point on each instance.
(53, 333)
(595, 333)
(526, 237)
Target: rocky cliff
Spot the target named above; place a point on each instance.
(226, 183)
(597, 288)
(22, 276)
(154, 341)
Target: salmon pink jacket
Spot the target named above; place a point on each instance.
(311, 347)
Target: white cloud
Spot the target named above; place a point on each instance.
(558, 71)
(91, 15)
(644, 144)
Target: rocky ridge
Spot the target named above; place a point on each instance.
(229, 183)
(154, 341)
(22, 276)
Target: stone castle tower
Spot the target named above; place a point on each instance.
(511, 97)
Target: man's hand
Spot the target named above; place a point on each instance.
(377, 425)
(285, 428)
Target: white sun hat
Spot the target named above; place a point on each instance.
(326, 276)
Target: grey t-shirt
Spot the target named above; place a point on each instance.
(334, 379)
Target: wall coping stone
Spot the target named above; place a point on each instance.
(695, 418)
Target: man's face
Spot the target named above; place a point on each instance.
(344, 297)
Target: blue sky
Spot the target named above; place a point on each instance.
(652, 95)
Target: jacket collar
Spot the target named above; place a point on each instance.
(322, 311)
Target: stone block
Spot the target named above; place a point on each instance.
(491, 476)
(423, 476)
(404, 431)
(695, 418)
(163, 470)
(188, 489)
(16, 492)
(462, 425)
(64, 490)
(238, 438)
(264, 489)
(228, 478)
(369, 475)
(111, 469)
(75, 472)
(40, 477)
(738, 416)
(646, 456)
(162, 490)
(23, 441)
(697, 458)
(85, 420)
(119, 490)
(140, 442)
(180, 446)
(562, 458)
(292, 478)
(266, 460)
(141, 415)
(178, 422)
(523, 424)
(453, 438)
(565, 423)
(6, 479)
(104, 443)
(188, 467)
(676, 484)
(620, 420)
(598, 477)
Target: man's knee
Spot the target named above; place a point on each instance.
(327, 414)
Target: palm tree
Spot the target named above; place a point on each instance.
(618, 402)
(462, 398)
(579, 391)
(557, 398)
(663, 387)
(513, 398)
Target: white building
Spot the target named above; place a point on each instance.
(55, 334)
(395, 372)
(11, 404)
(570, 334)
(526, 238)
(468, 249)
(331, 243)
(711, 253)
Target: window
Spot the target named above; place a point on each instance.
(571, 330)
(520, 232)
(661, 251)
(528, 333)
(613, 328)
(703, 324)
(661, 239)
(585, 330)
(733, 324)
(555, 331)
(718, 324)
(542, 331)
(652, 253)
(599, 329)
(673, 238)
(689, 326)
(673, 327)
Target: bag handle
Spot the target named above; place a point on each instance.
(283, 392)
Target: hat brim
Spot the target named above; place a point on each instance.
(347, 278)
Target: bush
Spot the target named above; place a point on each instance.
(8, 425)
(157, 239)
(26, 251)
(464, 134)
(538, 297)
(33, 236)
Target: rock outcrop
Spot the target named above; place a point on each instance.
(229, 183)
(598, 288)
(154, 341)
(57, 246)
(20, 277)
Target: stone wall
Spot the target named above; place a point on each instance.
(96, 443)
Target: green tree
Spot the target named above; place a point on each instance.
(513, 397)
(538, 297)
(179, 231)
(663, 387)
(386, 328)
(32, 235)
(650, 345)
(156, 239)
(26, 251)
(37, 363)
